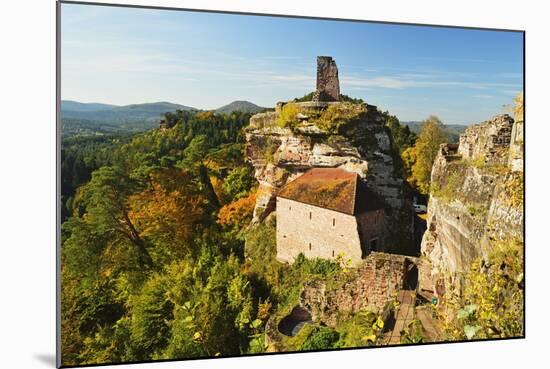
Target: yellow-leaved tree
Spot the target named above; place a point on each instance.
(419, 159)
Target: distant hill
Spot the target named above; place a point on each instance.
(78, 106)
(240, 105)
(114, 114)
(453, 131)
(95, 118)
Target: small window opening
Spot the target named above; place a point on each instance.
(289, 208)
(310, 215)
(333, 222)
(332, 253)
(310, 247)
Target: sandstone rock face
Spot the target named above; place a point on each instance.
(476, 198)
(280, 155)
(515, 158)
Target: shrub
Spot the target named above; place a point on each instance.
(305, 98)
(413, 332)
(478, 162)
(288, 116)
(337, 116)
(320, 338)
(316, 266)
(490, 302)
(362, 329)
(514, 190)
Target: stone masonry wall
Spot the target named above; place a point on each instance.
(377, 280)
(315, 232)
(486, 138)
(328, 86)
(371, 226)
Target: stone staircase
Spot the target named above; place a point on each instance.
(407, 312)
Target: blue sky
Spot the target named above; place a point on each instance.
(127, 55)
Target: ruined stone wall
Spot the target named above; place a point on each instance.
(485, 139)
(315, 232)
(375, 282)
(328, 85)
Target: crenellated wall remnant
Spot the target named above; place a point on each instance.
(487, 139)
(328, 85)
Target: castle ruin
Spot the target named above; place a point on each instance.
(328, 85)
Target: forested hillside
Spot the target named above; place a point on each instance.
(160, 259)
(153, 258)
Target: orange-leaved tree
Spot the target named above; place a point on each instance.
(168, 211)
(238, 214)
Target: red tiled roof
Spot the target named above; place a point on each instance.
(331, 188)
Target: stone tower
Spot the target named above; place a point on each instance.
(328, 86)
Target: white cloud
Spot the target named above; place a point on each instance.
(402, 81)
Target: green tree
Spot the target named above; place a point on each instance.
(107, 211)
(424, 152)
(238, 182)
(195, 152)
(402, 137)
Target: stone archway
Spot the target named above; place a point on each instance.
(292, 323)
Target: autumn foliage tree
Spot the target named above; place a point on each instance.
(168, 211)
(418, 160)
(237, 214)
(147, 272)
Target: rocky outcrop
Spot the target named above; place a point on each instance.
(515, 157)
(476, 198)
(356, 140)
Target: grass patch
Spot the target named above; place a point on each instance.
(338, 116)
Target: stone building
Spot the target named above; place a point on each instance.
(328, 85)
(326, 213)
